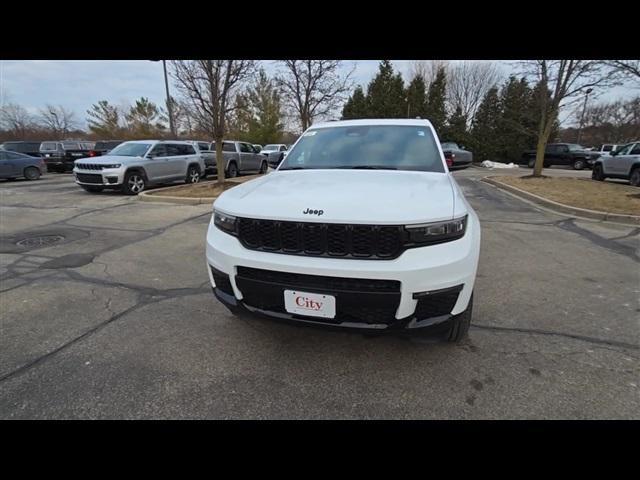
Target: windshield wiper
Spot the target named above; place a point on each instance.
(368, 167)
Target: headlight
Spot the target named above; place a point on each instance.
(113, 165)
(439, 232)
(226, 223)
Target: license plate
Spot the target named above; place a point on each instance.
(311, 304)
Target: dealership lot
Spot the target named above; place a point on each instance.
(106, 312)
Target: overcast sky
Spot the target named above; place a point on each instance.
(79, 84)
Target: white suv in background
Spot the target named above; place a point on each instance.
(361, 227)
(132, 166)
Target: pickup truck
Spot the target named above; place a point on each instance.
(562, 154)
(239, 157)
(59, 156)
(606, 148)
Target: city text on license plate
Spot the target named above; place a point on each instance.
(311, 304)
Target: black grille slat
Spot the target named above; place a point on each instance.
(319, 281)
(88, 166)
(89, 178)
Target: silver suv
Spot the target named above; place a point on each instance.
(132, 166)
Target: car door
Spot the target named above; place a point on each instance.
(177, 160)
(616, 164)
(626, 161)
(155, 163)
(247, 158)
(5, 166)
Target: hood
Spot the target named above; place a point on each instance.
(344, 196)
(107, 159)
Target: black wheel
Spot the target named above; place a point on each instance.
(579, 165)
(532, 162)
(264, 167)
(460, 327)
(31, 173)
(193, 175)
(634, 179)
(232, 170)
(92, 189)
(597, 173)
(134, 183)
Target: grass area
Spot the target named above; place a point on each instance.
(207, 189)
(581, 192)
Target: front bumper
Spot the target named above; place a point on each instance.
(434, 283)
(104, 178)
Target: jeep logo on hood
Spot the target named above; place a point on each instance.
(309, 211)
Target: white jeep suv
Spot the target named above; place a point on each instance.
(361, 227)
(132, 166)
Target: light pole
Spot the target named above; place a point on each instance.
(169, 103)
(584, 108)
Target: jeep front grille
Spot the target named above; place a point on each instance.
(322, 239)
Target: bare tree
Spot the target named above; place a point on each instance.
(210, 87)
(468, 83)
(563, 80)
(628, 68)
(16, 119)
(57, 119)
(313, 88)
(427, 69)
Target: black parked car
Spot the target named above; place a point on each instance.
(28, 148)
(563, 154)
(14, 165)
(104, 147)
(59, 156)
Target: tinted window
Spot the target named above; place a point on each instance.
(636, 149)
(106, 145)
(16, 156)
(228, 147)
(396, 147)
(607, 148)
(625, 149)
(203, 147)
(160, 150)
(244, 148)
(174, 149)
(71, 146)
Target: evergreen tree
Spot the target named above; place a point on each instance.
(356, 105)
(515, 125)
(456, 129)
(385, 94)
(104, 120)
(417, 98)
(144, 118)
(265, 121)
(484, 131)
(436, 101)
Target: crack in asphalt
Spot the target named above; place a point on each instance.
(535, 331)
(606, 243)
(143, 300)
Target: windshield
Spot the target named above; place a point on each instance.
(131, 149)
(271, 147)
(574, 146)
(49, 146)
(446, 145)
(393, 147)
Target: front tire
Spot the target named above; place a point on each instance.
(193, 175)
(460, 328)
(597, 173)
(92, 189)
(31, 173)
(634, 179)
(263, 168)
(134, 183)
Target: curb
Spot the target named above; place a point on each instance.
(565, 209)
(150, 197)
